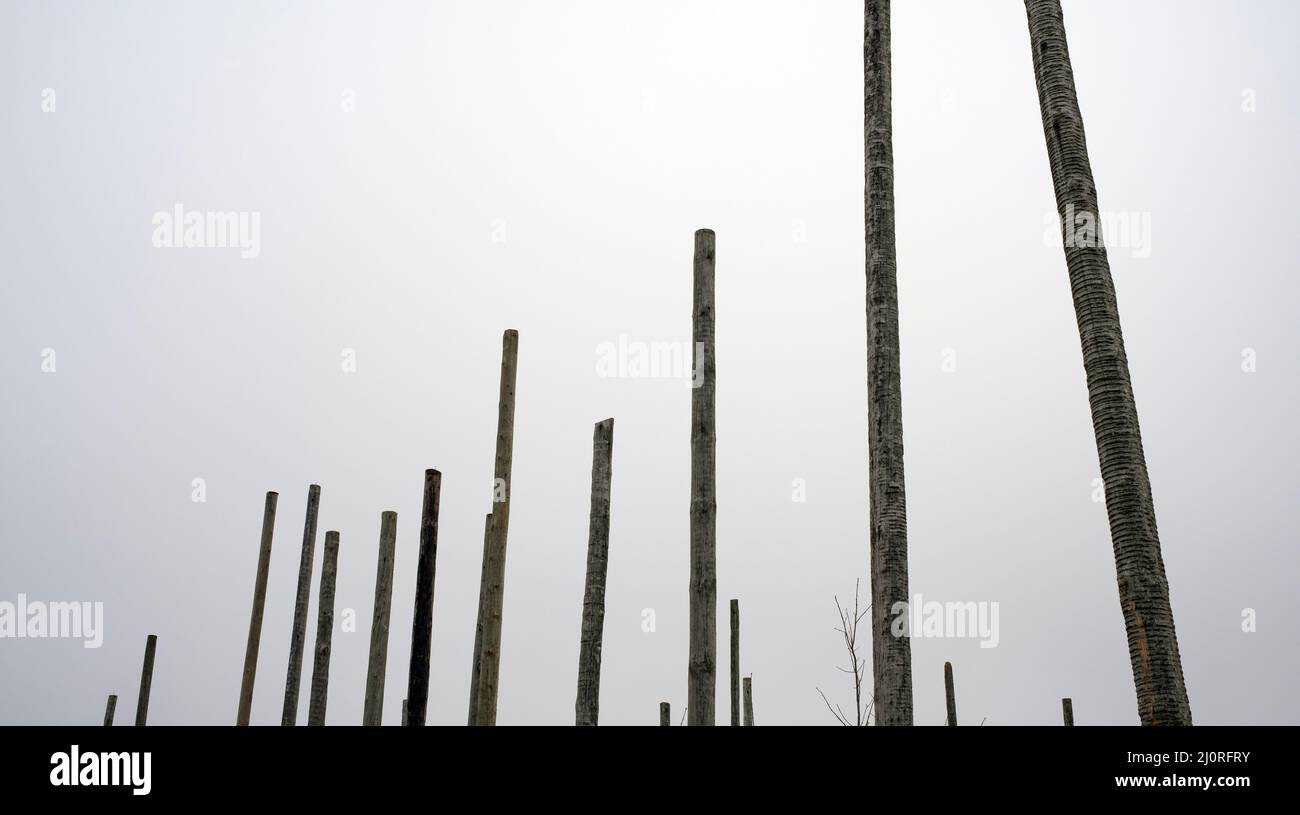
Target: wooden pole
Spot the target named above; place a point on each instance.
(749, 701)
(259, 606)
(146, 681)
(417, 683)
(1067, 711)
(108, 711)
(292, 683)
(587, 707)
(490, 658)
(735, 663)
(373, 712)
(478, 626)
(665, 719)
(702, 668)
(949, 694)
(320, 671)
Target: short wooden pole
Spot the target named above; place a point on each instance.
(417, 682)
(302, 600)
(259, 607)
(146, 681)
(949, 694)
(320, 671)
(372, 713)
(749, 701)
(587, 707)
(108, 711)
(665, 715)
(1067, 711)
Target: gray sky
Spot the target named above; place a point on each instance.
(542, 166)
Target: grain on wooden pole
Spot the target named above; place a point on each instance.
(1067, 711)
(146, 681)
(665, 715)
(302, 601)
(478, 626)
(108, 711)
(415, 707)
(259, 607)
(490, 658)
(735, 663)
(949, 694)
(320, 671)
(701, 676)
(373, 711)
(587, 706)
(749, 701)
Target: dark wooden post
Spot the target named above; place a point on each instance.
(146, 681)
(735, 663)
(417, 683)
(108, 711)
(749, 701)
(373, 712)
(478, 626)
(259, 606)
(587, 707)
(949, 694)
(292, 683)
(665, 719)
(1067, 711)
(701, 684)
(320, 671)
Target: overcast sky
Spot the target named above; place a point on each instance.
(428, 174)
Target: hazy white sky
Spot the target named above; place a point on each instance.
(429, 174)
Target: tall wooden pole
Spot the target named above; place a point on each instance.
(587, 706)
(735, 663)
(749, 701)
(490, 657)
(949, 694)
(146, 681)
(292, 683)
(417, 683)
(320, 671)
(478, 626)
(1067, 711)
(259, 606)
(108, 711)
(372, 714)
(701, 677)
(665, 716)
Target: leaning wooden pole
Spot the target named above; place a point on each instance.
(1139, 564)
(417, 681)
(949, 694)
(108, 711)
(587, 706)
(490, 654)
(665, 715)
(478, 626)
(1067, 711)
(259, 607)
(302, 600)
(735, 663)
(749, 701)
(320, 670)
(373, 712)
(701, 675)
(891, 656)
(146, 681)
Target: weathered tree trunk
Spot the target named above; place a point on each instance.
(320, 672)
(372, 714)
(417, 685)
(891, 656)
(289, 717)
(587, 706)
(146, 681)
(949, 694)
(259, 607)
(665, 715)
(701, 685)
(1140, 569)
(749, 701)
(490, 658)
(478, 626)
(1067, 712)
(735, 663)
(108, 711)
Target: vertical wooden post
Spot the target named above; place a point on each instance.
(1067, 711)
(949, 694)
(587, 706)
(749, 701)
(417, 682)
(478, 626)
(502, 487)
(259, 606)
(373, 712)
(320, 671)
(108, 711)
(735, 663)
(146, 681)
(701, 676)
(293, 682)
(665, 719)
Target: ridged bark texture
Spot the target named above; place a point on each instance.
(1140, 569)
(259, 609)
(320, 671)
(297, 640)
(701, 677)
(587, 706)
(372, 713)
(891, 657)
(416, 705)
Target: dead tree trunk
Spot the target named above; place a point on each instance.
(108, 711)
(146, 681)
(702, 664)
(490, 659)
(735, 663)
(259, 606)
(372, 714)
(1067, 711)
(417, 684)
(587, 706)
(320, 672)
(949, 694)
(749, 701)
(665, 715)
(293, 682)
(478, 626)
